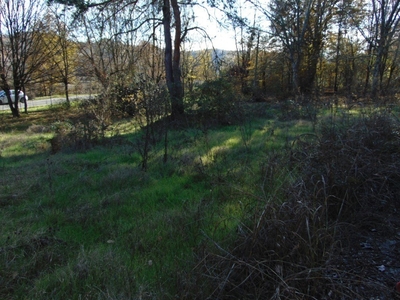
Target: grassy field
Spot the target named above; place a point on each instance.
(91, 224)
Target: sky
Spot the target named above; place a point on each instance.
(206, 18)
(222, 38)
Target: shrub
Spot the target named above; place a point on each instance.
(133, 100)
(124, 99)
(84, 131)
(215, 102)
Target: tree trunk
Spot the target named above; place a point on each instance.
(25, 102)
(392, 67)
(378, 68)
(387, 21)
(172, 58)
(368, 71)
(295, 73)
(13, 107)
(339, 39)
(67, 92)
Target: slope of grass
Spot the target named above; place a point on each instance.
(90, 224)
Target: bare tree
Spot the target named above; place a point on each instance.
(172, 24)
(386, 14)
(347, 17)
(60, 52)
(109, 51)
(300, 25)
(173, 56)
(18, 44)
(289, 21)
(64, 60)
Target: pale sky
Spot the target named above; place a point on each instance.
(222, 38)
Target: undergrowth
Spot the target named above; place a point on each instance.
(287, 250)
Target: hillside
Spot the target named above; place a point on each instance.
(274, 206)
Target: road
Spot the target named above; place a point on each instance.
(47, 101)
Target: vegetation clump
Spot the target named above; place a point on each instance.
(309, 246)
(215, 102)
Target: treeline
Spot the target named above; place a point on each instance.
(289, 48)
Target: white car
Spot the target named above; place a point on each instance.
(4, 100)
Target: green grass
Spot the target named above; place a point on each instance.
(92, 225)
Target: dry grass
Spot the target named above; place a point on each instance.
(288, 250)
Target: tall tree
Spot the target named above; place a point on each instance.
(65, 59)
(60, 51)
(386, 14)
(300, 26)
(290, 22)
(348, 15)
(108, 51)
(173, 56)
(320, 20)
(172, 24)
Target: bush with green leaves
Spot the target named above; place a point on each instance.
(84, 129)
(136, 100)
(214, 102)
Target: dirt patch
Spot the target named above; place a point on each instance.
(370, 252)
